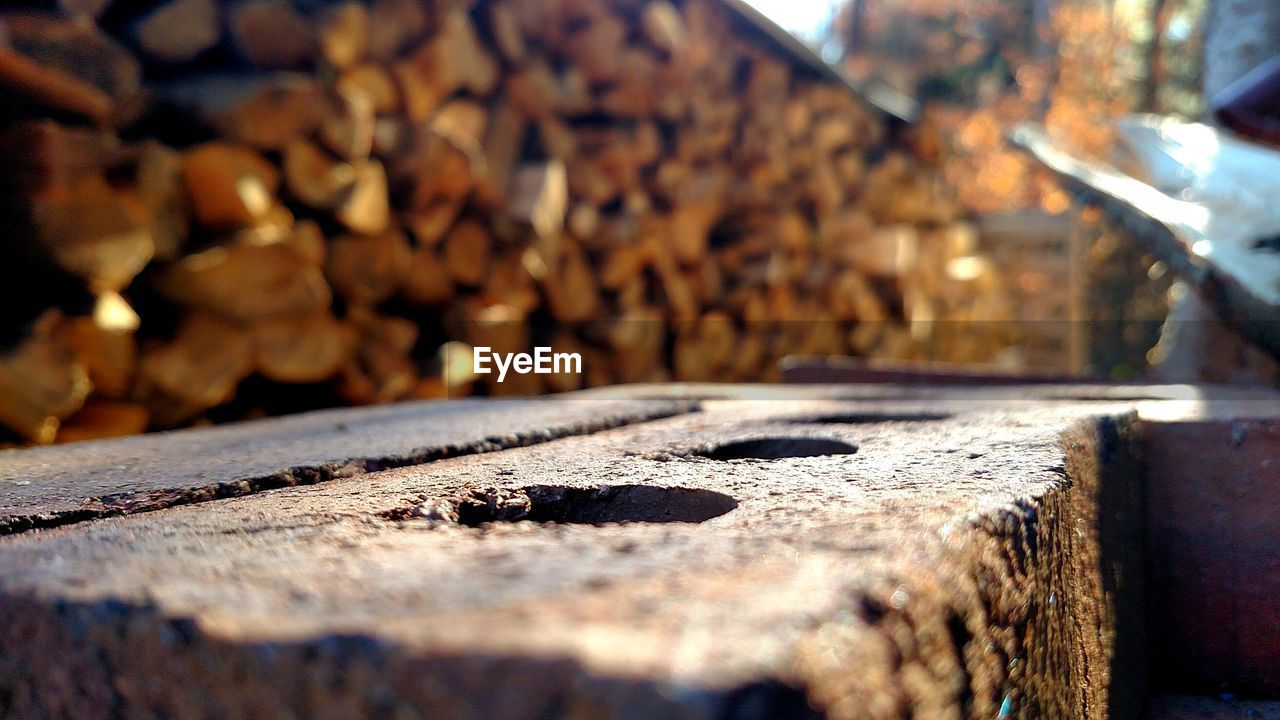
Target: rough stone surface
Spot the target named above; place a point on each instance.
(840, 552)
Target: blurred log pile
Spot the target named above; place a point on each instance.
(277, 205)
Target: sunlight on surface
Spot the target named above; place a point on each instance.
(805, 18)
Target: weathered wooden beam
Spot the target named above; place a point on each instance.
(53, 486)
(811, 556)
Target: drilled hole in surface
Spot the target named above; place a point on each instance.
(871, 418)
(777, 448)
(594, 506)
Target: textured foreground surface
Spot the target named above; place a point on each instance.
(46, 487)
(781, 553)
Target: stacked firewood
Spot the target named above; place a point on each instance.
(280, 205)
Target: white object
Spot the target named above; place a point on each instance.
(1222, 194)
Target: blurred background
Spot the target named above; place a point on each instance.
(216, 211)
(981, 67)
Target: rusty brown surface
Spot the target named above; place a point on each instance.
(1213, 509)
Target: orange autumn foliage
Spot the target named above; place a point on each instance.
(981, 66)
